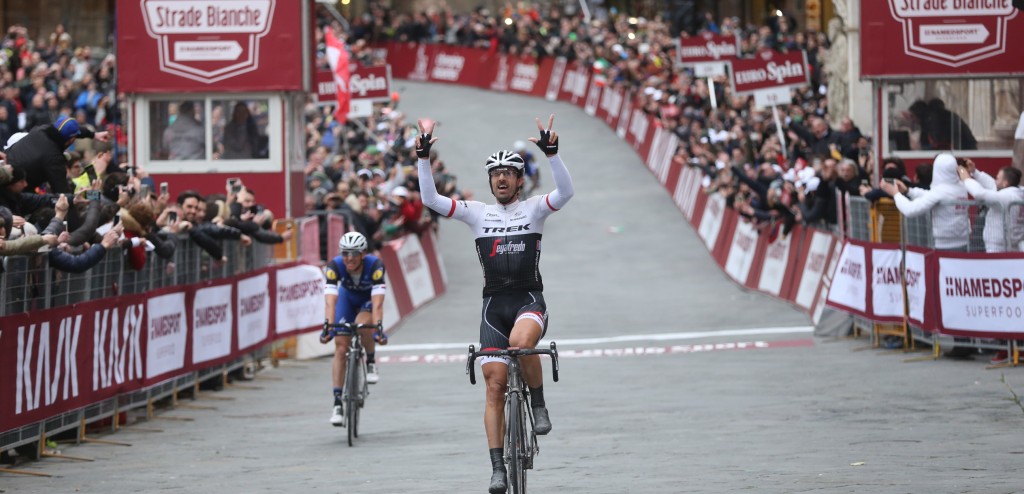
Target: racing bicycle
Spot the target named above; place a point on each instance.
(356, 387)
(520, 439)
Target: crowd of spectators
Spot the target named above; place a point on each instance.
(66, 188)
(776, 177)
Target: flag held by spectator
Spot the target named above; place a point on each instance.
(337, 57)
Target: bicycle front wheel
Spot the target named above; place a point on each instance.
(354, 388)
(515, 444)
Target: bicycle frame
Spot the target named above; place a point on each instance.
(356, 387)
(520, 442)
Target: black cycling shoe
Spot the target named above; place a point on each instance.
(497, 482)
(541, 421)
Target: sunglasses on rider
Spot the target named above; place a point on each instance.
(502, 172)
(351, 253)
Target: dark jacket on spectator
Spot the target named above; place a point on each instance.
(41, 155)
(819, 145)
(70, 263)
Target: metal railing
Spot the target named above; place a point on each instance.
(29, 283)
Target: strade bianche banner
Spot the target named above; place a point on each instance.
(59, 359)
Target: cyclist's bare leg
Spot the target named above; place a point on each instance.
(339, 363)
(495, 377)
(525, 334)
(366, 335)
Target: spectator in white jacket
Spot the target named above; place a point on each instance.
(999, 195)
(951, 226)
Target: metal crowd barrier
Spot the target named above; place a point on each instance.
(28, 283)
(882, 222)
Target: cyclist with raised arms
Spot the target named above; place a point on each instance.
(508, 242)
(354, 293)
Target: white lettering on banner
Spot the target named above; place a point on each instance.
(627, 112)
(557, 71)
(500, 82)
(886, 283)
(776, 260)
(49, 372)
(655, 151)
(982, 294)
(447, 67)
(638, 127)
(416, 271)
(524, 77)
(253, 310)
(849, 284)
(300, 298)
(592, 98)
(814, 267)
(212, 320)
(165, 349)
(116, 352)
(693, 194)
(361, 85)
(952, 8)
(711, 222)
(741, 254)
(576, 83)
(710, 49)
(771, 72)
(419, 72)
(195, 16)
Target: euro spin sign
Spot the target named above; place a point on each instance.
(769, 69)
(208, 41)
(707, 47)
(979, 29)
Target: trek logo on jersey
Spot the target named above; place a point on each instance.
(331, 275)
(506, 229)
(500, 248)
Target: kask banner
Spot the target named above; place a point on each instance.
(64, 358)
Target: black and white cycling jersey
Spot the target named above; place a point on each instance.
(508, 237)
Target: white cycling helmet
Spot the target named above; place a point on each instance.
(519, 146)
(352, 241)
(505, 158)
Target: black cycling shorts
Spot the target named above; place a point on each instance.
(500, 313)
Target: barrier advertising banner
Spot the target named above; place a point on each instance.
(166, 332)
(947, 38)
(198, 45)
(981, 297)
(711, 223)
(741, 255)
(815, 259)
(849, 289)
(300, 299)
(775, 266)
(253, 305)
(212, 323)
(59, 359)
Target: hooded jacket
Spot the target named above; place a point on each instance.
(998, 238)
(951, 226)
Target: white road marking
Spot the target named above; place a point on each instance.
(448, 358)
(613, 339)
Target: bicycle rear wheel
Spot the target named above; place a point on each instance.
(515, 444)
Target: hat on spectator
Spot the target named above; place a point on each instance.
(380, 173)
(332, 196)
(365, 173)
(812, 184)
(68, 128)
(400, 191)
(372, 149)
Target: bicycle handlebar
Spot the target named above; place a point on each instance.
(513, 353)
(344, 328)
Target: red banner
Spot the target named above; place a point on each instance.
(769, 69)
(64, 358)
(708, 47)
(941, 38)
(206, 45)
(369, 83)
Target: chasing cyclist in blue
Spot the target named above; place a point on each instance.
(354, 293)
